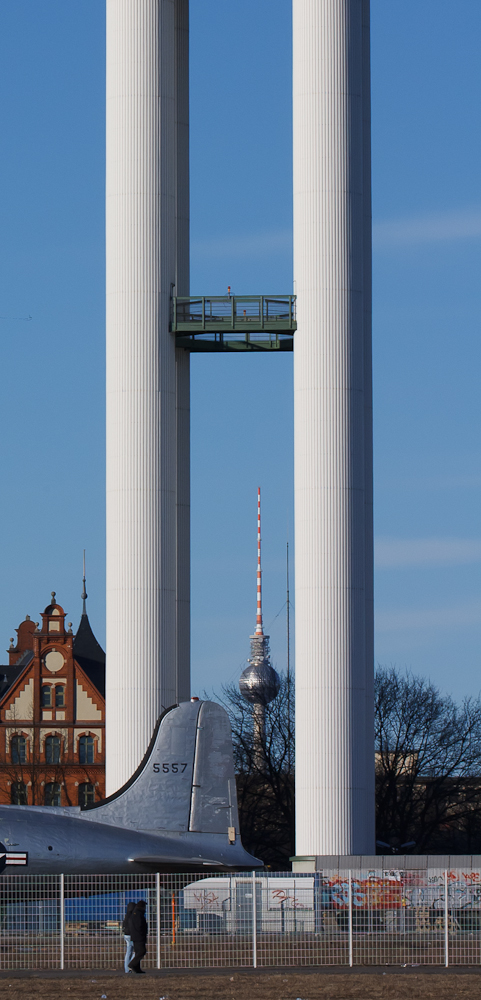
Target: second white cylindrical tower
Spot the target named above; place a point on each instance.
(147, 249)
(333, 438)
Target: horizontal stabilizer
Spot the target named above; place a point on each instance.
(160, 860)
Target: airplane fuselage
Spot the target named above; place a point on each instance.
(58, 843)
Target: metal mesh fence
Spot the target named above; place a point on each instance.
(94, 909)
(351, 917)
(30, 922)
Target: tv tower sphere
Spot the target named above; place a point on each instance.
(259, 682)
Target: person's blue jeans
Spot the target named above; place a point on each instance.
(129, 954)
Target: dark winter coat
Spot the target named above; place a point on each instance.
(126, 921)
(138, 925)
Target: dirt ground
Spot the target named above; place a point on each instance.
(247, 986)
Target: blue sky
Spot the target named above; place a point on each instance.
(427, 241)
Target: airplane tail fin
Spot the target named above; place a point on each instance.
(185, 783)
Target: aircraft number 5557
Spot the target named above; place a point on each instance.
(166, 768)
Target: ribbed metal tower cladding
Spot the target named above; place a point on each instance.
(333, 428)
(147, 247)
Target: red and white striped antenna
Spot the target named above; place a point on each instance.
(259, 629)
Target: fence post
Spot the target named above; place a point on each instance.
(62, 921)
(446, 920)
(350, 919)
(157, 893)
(254, 921)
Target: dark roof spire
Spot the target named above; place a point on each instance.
(86, 650)
(84, 592)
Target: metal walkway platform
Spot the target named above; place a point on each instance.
(234, 322)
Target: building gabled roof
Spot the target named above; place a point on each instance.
(10, 673)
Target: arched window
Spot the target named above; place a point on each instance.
(59, 696)
(52, 792)
(86, 794)
(18, 793)
(86, 750)
(18, 746)
(46, 696)
(52, 749)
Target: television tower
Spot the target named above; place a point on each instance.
(259, 682)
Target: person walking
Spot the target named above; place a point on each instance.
(129, 953)
(138, 933)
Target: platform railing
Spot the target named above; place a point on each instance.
(257, 919)
(223, 322)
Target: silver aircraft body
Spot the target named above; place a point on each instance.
(179, 809)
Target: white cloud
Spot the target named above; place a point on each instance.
(428, 618)
(399, 552)
(254, 245)
(438, 227)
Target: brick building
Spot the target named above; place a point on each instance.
(52, 713)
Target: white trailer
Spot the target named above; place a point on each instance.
(281, 905)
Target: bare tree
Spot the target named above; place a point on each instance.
(428, 770)
(428, 766)
(265, 776)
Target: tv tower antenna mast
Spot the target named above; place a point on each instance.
(259, 627)
(259, 682)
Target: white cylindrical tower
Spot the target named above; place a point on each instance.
(182, 358)
(147, 199)
(333, 435)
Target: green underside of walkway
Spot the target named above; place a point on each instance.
(234, 323)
